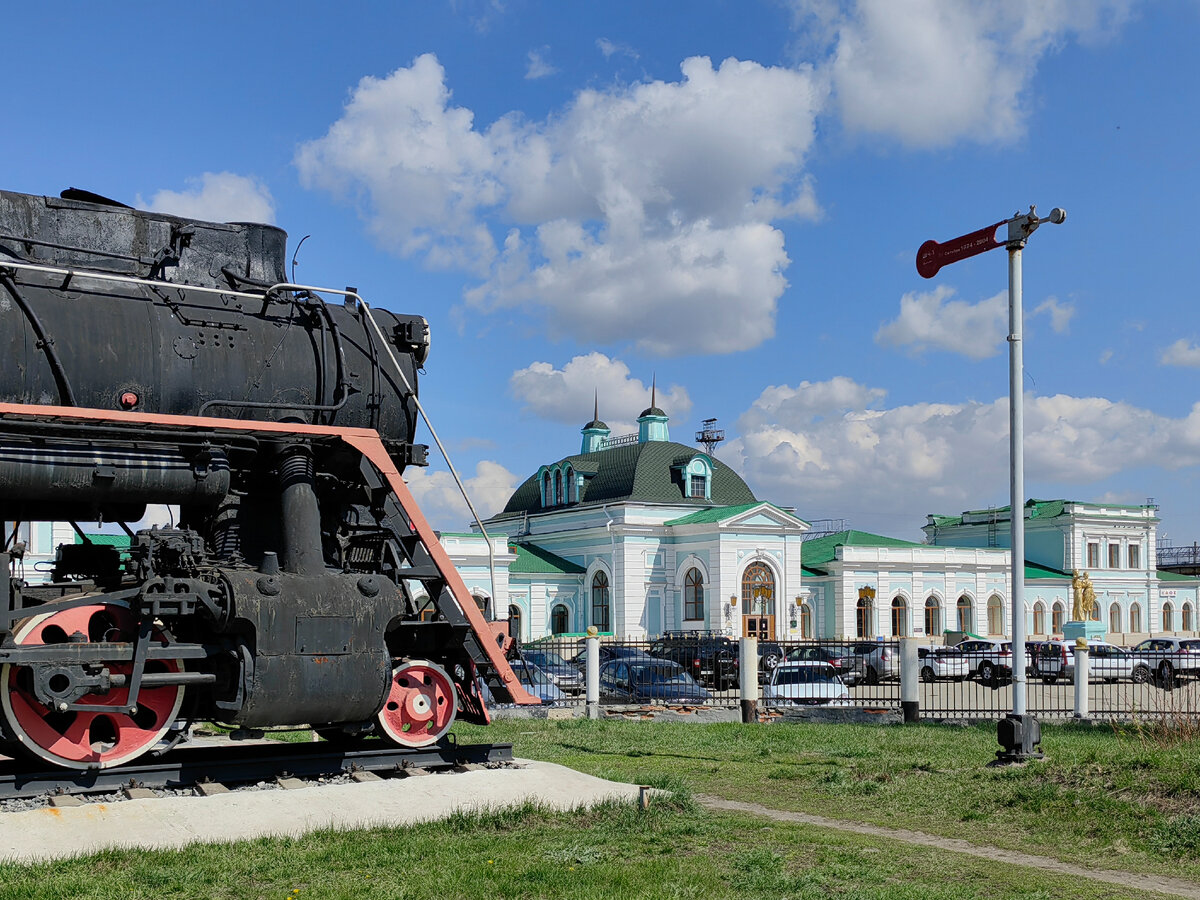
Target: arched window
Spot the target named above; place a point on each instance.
(865, 618)
(1168, 617)
(758, 590)
(806, 630)
(560, 619)
(558, 497)
(484, 604)
(995, 615)
(1039, 618)
(899, 617)
(933, 616)
(514, 622)
(547, 495)
(1187, 617)
(569, 494)
(600, 603)
(1114, 618)
(1057, 614)
(693, 596)
(1135, 618)
(966, 617)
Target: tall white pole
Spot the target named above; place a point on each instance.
(1016, 416)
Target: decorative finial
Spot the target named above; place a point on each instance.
(596, 407)
(653, 390)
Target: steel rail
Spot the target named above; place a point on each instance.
(189, 765)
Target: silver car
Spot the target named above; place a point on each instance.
(1165, 660)
(1106, 662)
(805, 684)
(942, 664)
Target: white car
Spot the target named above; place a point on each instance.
(1106, 662)
(1165, 660)
(805, 684)
(942, 664)
(989, 661)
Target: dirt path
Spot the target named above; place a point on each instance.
(1176, 887)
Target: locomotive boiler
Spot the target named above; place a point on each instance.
(152, 359)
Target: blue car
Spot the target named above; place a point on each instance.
(649, 680)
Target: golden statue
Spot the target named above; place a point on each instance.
(1085, 597)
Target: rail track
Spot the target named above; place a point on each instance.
(210, 769)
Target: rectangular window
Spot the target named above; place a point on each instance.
(1135, 556)
(1093, 556)
(696, 486)
(1114, 556)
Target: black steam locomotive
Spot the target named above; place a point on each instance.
(151, 359)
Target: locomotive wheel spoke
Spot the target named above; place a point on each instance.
(420, 706)
(84, 740)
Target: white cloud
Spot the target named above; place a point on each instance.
(1060, 314)
(612, 48)
(1181, 353)
(640, 213)
(930, 72)
(216, 197)
(874, 465)
(567, 394)
(933, 321)
(538, 67)
(440, 500)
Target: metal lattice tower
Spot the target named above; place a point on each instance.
(710, 435)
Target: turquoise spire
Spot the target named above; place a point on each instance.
(595, 432)
(652, 423)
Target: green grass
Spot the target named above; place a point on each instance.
(674, 850)
(1100, 798)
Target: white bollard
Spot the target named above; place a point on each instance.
(910, 680)
(748, 677)
(1081, 679)
(592, 678)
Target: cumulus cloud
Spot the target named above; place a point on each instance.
(537, 66)
(440, 500)
(216, 197)
(1060, 314)
(1181, 353)
(567, 394)
(640, 212)
(933, 321)
(931, 72)
(798, 445)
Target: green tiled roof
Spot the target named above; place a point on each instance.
(1038, 509)
(637, 472)
(824, 549)
(106, 540)
(1164, 575)
(1037, 571)
(812, 573)
(718, 513)
(534, 560)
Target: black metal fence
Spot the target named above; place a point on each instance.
(703, 671)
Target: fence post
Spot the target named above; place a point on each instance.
(1081, 678)
(592, 679)
(748, 677)
(910, 680)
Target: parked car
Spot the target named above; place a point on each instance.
(532, 679)
(805, 684)
(710, 658)
(1166, 660)
(989, 661)
(1106, 662)
(609, 652)
(941, 664)
(770, 655)
(649, 681)
(848, 667)
(565, 676)
(880, 661)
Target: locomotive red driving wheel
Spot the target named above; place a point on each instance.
(76, 739)
(420, 705)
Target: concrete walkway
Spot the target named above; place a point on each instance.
(176, 821)
(1175, 887)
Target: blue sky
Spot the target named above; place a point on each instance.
(725, 196)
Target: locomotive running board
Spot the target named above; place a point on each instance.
(368, 443)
